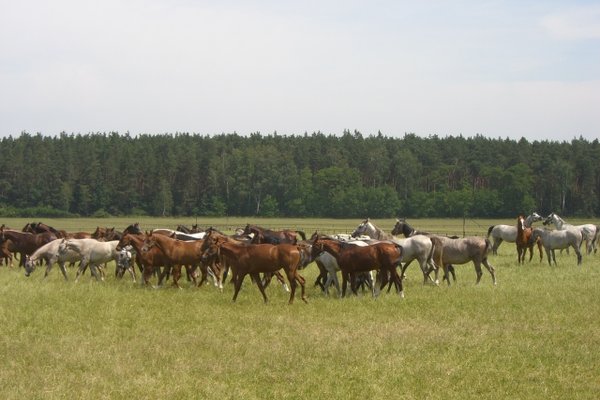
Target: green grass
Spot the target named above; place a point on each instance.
(535, 335)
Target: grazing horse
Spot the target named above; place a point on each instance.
(263, 235)
(92, 253)
(25, 243)
(352, 259)
(588, 231)
(559, 239)
(508, 233)
(253, 259)
(51, 254)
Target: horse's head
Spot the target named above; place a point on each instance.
(99, 233)
(29, 265)
(361, 229)
(211, 249)
(64, 246)
(550, 219)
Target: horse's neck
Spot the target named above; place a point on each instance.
(528, 221)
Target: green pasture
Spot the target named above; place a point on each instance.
(535, 335)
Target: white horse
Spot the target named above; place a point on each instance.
(92, 253)
(508, 233)
(559, 239)
(50, 253)
(589, 231)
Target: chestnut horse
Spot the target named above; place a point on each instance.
(180, 252)
(253, 259)
(352, 259)
(148, 261)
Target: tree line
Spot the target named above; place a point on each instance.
(310, 175)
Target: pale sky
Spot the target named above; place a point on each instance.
(496, 68)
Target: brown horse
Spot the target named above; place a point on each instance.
(525, 241)
(263, 235)
(253, 259)
(148, 261)
(25, 243)
(180, 252)
(352, 259)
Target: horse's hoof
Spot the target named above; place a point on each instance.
(402, 294)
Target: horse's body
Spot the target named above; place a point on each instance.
(39, 227)
(51, 254)
(588, 231)
(559, 239)
(508, 233)
(263, 235)
(463, 250)
(253, 259)
(193, 229)
(352, 259)
(92, 253)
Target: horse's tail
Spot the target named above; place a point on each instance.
(488, 246)
(400, 251)
(302, 235)
(490, 230)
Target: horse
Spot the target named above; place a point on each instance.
(39, 227)
(263, 235)
(51, 254)
(414, 247)
(92, 253)
(185, 229)
(25, 243)
(124, 263)
(403, 228)
(523, 241)
(253, 259)
(588, 231)
(461, 251)
(508, 233)
(353, 259)
(559, 239)
(180, 252)
(148, 261)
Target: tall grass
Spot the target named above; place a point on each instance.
(535, 335)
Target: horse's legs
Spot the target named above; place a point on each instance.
(176, 274)
(82, 267)
(477, 264)
(258, 281)
(302, 283)
(344, 283)
(578, 254)
(63, 269)
(291, 275)
(94, 271)
(497, 243)
(239, 278)
(490, 268)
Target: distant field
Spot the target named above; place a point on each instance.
(535, 335)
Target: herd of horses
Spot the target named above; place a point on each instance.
(369, 257)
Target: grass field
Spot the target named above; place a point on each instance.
(535, 335)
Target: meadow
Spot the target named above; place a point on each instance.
(534, 335)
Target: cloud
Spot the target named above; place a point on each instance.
(574, 24)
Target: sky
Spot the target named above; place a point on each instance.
(501, 69)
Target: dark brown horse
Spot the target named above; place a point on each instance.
(25, 243)
(253, 259)
(39, 227)
(263, 235)
(353, 259)
(525, 241)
